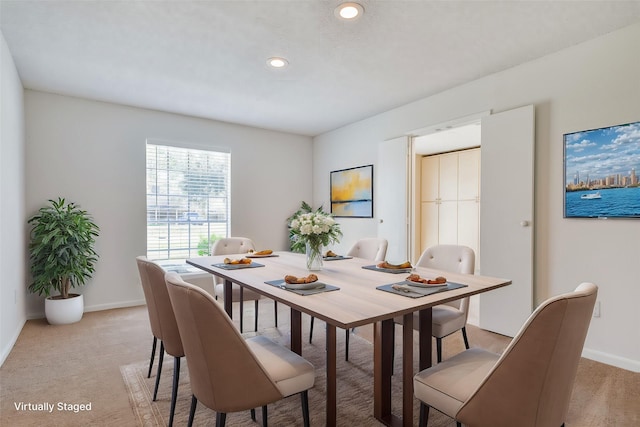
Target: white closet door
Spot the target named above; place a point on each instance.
(448, 222)
(469, 201)
(468, 225)
(506, 218)
(449, 176)
(392, 205)
(430, 178)
(429, 235)
(469, 174)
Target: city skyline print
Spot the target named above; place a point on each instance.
(603, 153)
(601, 172)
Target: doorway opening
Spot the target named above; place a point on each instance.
(447, 191)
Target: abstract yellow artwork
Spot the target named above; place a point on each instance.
(352, 192)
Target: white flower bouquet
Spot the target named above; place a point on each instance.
(316, 228)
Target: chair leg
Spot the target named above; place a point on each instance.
(439, 349)
(255, 308)
(153, 355)
(221, 419)
(253, 414)
(424, 415)
(458, 424)
(192, 411)
(311, 330)
(174, 390)
(160, 359)
(264, 416)
(464, 336)
(304, 396)
(241, 309)
(346, 345)
(275, 312)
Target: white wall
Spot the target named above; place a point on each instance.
(587, 86)
(12, 227)
(93, 154)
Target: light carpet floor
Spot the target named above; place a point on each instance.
(355, 390)
(84, 362)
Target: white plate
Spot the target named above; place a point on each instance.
(260, 256)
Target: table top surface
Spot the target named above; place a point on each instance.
(357, 302)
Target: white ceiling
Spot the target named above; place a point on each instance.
(208, 58)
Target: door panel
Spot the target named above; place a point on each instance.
(449, 176)
(468, 174)
(429, 225)
(506, 218)
(468, 224)
(430, 178)
(448, 219)
(392, 186)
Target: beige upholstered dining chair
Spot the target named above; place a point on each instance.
(452, 316)
(372, 248)
(529, 385)
(230, 246)
(227, 372)
(163, 324)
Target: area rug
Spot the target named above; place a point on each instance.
(355, 390)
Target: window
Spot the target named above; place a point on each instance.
(187, 200)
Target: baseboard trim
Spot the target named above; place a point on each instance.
(7, 349)
(122, 304)
(610, 359)
(96, 307)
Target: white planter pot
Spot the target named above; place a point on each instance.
(64, 311)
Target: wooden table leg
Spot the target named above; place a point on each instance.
(296, 331)
(382, 370)
(331, 376)
(228, 298)
(383, 363)
(407, 370)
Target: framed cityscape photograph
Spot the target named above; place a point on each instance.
(601, 169)
(352, 192)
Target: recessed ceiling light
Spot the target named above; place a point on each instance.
(277, 62)
(349, 11)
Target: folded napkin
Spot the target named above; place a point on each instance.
(303, 289)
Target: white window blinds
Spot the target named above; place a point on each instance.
(187, 200)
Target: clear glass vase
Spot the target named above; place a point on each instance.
(314, 257)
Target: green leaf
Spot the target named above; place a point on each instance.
(61, 250)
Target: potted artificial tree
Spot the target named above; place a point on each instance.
(62, 256)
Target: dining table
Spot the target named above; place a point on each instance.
(357, 293)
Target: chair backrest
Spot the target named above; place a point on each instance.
(371, 248)
(224, 374)
(231, 245)
(454, 258)
(161, 317)
(531, 383)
